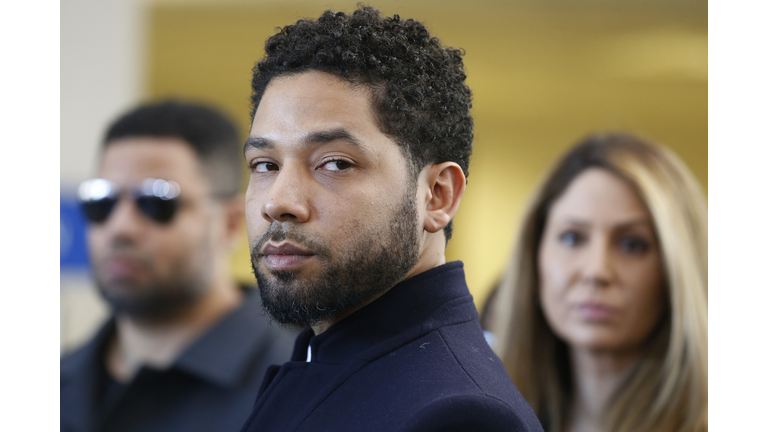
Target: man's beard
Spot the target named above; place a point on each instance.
(160, 297)
(370, 266)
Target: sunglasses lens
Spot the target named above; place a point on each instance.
(158, 209)
(156, 198)
(97, 211)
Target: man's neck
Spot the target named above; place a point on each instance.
(158, 342)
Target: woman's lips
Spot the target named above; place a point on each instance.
(596, 312)
(285, 256)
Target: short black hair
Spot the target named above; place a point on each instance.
(418, 85)
(208, 131)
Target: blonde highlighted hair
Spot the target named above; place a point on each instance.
(667, 390)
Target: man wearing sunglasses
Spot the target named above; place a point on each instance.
(359, 150)
(186, 347)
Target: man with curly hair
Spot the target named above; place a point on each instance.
(359, 151)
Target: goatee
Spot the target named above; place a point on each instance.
(373, 264)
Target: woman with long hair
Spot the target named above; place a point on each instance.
(601, 316)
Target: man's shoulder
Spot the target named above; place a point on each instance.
(451, 373)
(471, 352)
(81, 359)
(475, 412)
(449, 360)
(72, 361)
(458, 350)
(461, 384)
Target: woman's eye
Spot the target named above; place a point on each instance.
(634, 245)
(336, 165)
(265, 166)
(571, 238)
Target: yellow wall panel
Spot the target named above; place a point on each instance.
(543, 75)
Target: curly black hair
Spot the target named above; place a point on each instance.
(419, 93)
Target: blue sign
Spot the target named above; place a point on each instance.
(73, 250)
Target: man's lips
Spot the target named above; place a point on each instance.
(285, 255)
(122, 268)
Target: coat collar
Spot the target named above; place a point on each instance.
(429, 300)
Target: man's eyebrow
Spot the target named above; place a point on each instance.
(322, 137)
(319, 137)
(258, 143)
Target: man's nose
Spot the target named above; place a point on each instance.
(125, 221)
(287, 200)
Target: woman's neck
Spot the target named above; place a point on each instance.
(596, 376)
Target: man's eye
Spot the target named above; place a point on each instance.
(634, 245)
(336, 165)
(571, 238)
(265, 166)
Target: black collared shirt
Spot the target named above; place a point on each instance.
(413, 360)
(210, 387)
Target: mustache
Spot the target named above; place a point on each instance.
(276, 233)
(123, 248)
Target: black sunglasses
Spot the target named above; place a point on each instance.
(156, 198)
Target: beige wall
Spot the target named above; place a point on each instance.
(102, 71)
(543, 73)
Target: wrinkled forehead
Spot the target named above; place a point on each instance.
(128, 161)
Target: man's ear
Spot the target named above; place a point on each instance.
(446, 184)
(234, 215)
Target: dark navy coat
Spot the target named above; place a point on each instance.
(413, 360)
